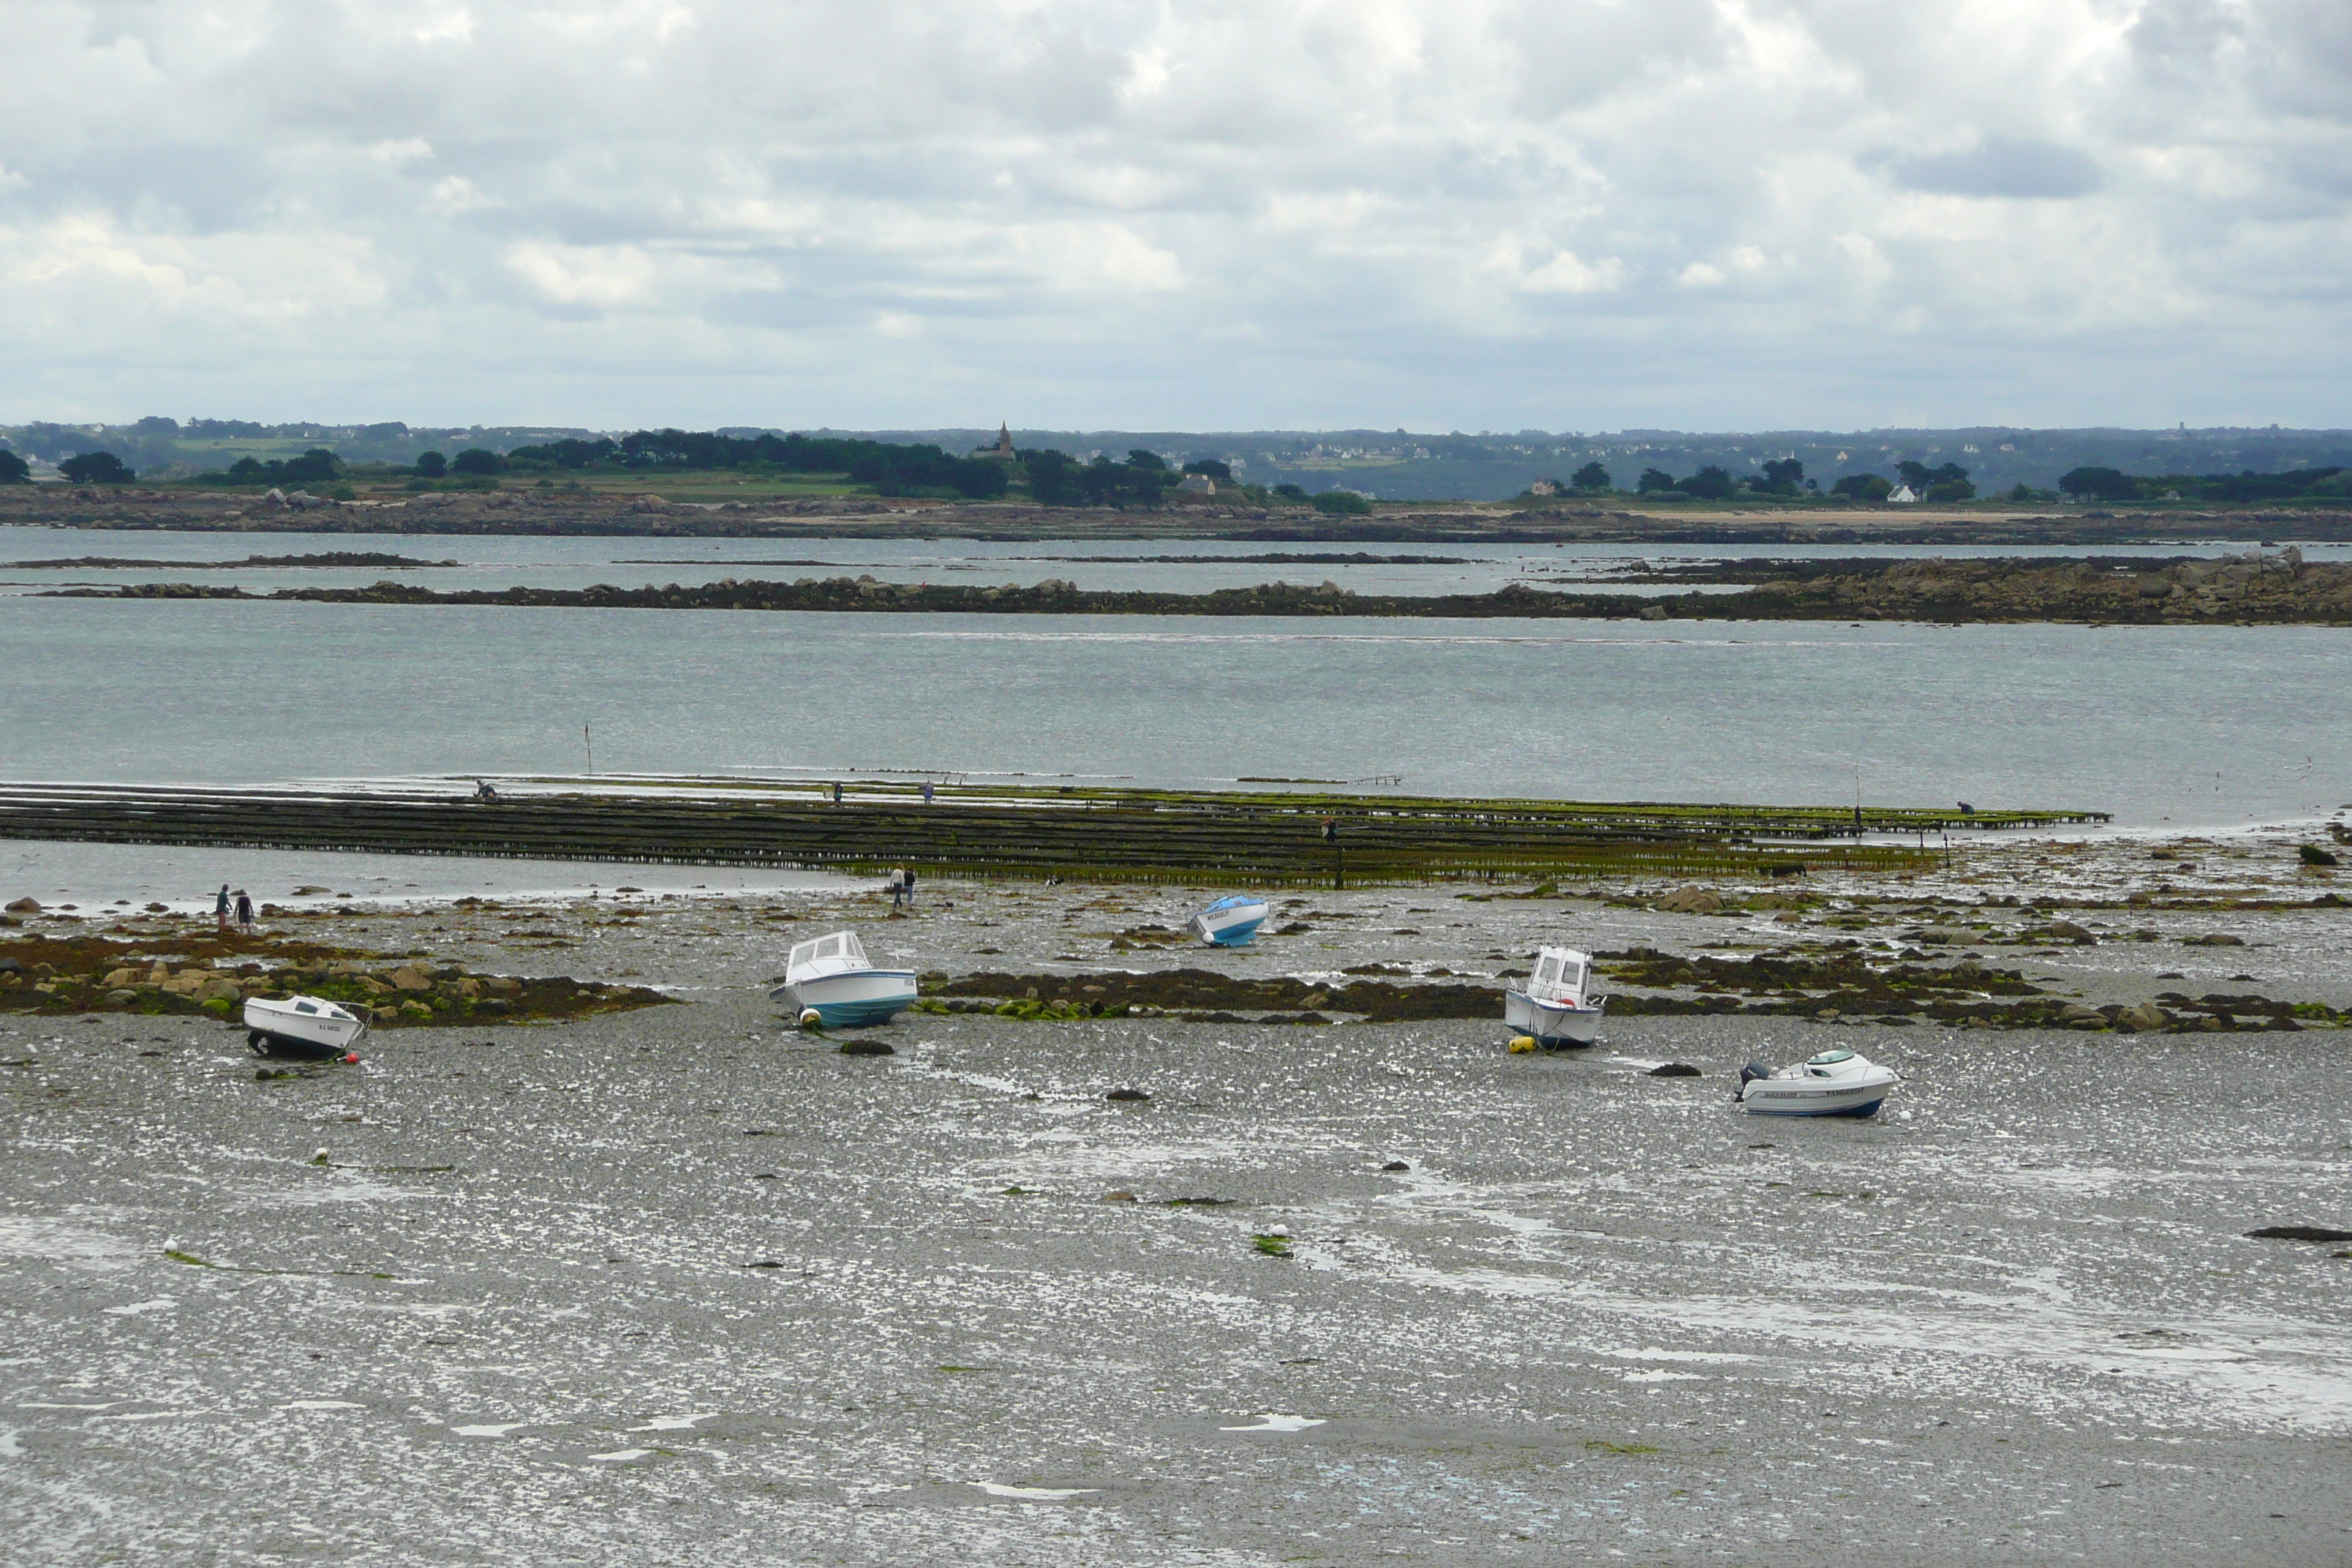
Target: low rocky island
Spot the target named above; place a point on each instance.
(2280, 589)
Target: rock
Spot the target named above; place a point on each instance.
(1116, 1198)
(2299, 1233)
(1691, 900)
(1948, 936)
(2146, 1018)
(1675, 1069)
(2074, 1015)
(117, 978)
(500, 982)
(1128, 1096)
(1396, 1166)
(867, 1048)
(122, 998)
(1826, 1015)
(2071, 932)
(410, 980)
(273, 496)
(1652, 612)
(2215, 938)
(25, 907)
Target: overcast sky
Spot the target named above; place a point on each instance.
(1556, 214)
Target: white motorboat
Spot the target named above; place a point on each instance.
(1230, 923)
(1557, 1008)
(1835, 1083)
(300, 1026)
(830, 977)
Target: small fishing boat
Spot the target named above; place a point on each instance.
(830, 982)
(1556, 1009)
(1229, 922)
(1835, 1083)
(308, 1026)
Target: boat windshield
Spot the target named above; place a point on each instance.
(1235, 902)
(304, 1008)
(1831, 1058)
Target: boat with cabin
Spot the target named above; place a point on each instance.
(1230, 923)
(303, 1026)
(1557, 1007)
(829, 981)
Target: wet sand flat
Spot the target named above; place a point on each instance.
(687, 1284)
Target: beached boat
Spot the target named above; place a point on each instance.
(300, 1026)
(1557, 1008)
(1835, 1083)
(1229, 922)
(831, 978)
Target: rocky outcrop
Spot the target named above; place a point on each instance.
(2267, 590)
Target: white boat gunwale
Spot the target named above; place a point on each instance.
(299, 1024)
(831, 976)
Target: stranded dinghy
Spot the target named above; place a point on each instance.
(829, 982)
(1230, 923)
(300, 1026)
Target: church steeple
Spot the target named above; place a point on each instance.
(1004, 441)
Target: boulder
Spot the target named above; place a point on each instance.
(409, 980)
(25, 907)
(2145, 1018)
(1948, 936)
(2074, 1015)
(1690, 899)
(2215, 938)
(1675, 1069)
(122, 998)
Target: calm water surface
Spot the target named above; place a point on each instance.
(2186, 726)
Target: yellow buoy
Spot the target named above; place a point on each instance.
(1522, 1044)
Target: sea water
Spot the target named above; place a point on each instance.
(2175, 727)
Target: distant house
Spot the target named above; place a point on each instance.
(1543, 487)
(1197, 485)
(1903, 495)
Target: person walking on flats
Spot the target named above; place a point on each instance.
(220, 909)
(244, 913)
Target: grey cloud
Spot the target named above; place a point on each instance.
(635, 207)
(1998, 166)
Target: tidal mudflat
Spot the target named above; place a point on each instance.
(684, 1283)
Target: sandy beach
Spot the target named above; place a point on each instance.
(684, 1283)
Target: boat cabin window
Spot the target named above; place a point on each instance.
(304, 1008)
(829, 948)
(1570, 973)
(1548, 969)
(1830, 1057)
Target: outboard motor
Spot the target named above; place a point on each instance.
(1748, 1075)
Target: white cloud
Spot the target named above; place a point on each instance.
(1399, 209)
(1567, 273)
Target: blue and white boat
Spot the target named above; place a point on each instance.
(829, 982)
(1835, 1083)
(1229, 922)
(1557, 1008)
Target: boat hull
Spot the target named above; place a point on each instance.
(1797, 1097)
(1229, 927)
(1554, 1024)
(846, 1001)
(274, 1029)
